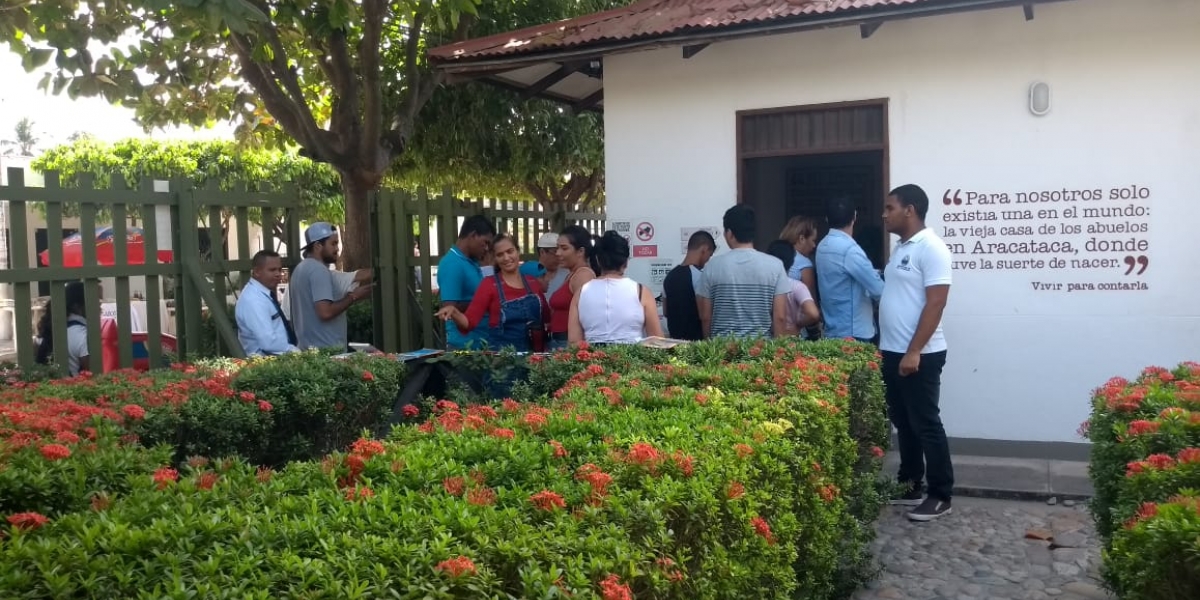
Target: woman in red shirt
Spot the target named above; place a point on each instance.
(514, 304)
(574, 255)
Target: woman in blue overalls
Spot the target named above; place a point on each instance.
(513, 304)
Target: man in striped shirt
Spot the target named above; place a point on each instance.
(742, 293)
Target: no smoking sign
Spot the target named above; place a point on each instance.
(645, 231)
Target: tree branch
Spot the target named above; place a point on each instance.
(345, 118)
(368, 57)
(268, 89)
(418, 93)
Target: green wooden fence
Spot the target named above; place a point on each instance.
(404, 299)
(197, 277)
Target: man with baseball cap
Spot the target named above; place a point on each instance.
(318, 299)
(546, 270)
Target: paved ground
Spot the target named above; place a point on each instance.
(981, 552)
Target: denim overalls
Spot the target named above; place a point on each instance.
(512, 334)
(515, 317)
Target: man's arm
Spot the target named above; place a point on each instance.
(936, 271)
(330, 309)
(859, 267)
(704, 303)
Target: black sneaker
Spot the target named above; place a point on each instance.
(930, 509)
(913, 496)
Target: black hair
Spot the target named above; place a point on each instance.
(740, 222)
(612, 252)
(260, 258)
(578, 237)
(504, 236)
(784, 251)
(476, 225)
(75, 306)
(701, 239)
(912, 195)
(840, 212)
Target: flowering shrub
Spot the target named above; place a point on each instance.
(730, 475)
(1146, 471)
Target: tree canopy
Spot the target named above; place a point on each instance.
(24, 141)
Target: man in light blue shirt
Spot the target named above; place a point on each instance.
(846, 279)
(459, 275)
(262, 328)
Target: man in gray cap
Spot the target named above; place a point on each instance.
(317, 301)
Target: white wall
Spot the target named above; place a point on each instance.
(1126, 89)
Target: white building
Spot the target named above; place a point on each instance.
(1069, 132)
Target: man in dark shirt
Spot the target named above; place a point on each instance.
(679, 288)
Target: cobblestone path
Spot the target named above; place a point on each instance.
(981, 552)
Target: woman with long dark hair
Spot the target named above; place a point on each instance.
(574, 255)
(77, 332)
(612, 308)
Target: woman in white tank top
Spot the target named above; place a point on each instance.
(612, 309)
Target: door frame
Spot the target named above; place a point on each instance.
(884, 146)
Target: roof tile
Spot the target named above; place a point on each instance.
(648, 18)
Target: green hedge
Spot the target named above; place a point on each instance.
(716, 471)
(1146, 471)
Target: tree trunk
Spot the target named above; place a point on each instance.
(356, 235)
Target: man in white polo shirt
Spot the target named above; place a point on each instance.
(916, 285)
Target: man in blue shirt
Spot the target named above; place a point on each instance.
(262, 328)
(459, 275)
(846, 279)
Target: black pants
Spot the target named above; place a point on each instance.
(913, 408)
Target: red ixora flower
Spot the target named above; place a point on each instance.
(453, 485)
(134, 411)
(547, 500)
(67, 437)
(367, 448)
(611, 588)
(559, 450)
(264, 406)
(1188, 456)
(456, 567)
(763, 529)
(164, 476)
(743, 450)
(359, 493)
(368, 376)
(481, 496)
(28, 520)
(1142, 427)
(411, 410)
(504, 434)
(207, 480)
(736, 490)
(876, 451)
(55, 451)
(642, 453)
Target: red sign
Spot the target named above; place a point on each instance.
(645, 251)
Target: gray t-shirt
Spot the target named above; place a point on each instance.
(312, 282)
(742, 285)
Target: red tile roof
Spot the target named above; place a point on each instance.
(656, 18)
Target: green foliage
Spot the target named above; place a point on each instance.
(681, 477)
(1145, 468)
(225, 164)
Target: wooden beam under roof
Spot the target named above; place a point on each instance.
(562, 72)
(867, 30)
(690, 51)
(588, 103)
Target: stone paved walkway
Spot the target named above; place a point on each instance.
(981, 552)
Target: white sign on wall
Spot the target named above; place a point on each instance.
(686, 233)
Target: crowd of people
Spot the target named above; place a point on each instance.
(577, 291)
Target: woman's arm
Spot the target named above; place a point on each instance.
(808, 276)
(481, 305)
(809, 314)
(574, 327)
(652, 326)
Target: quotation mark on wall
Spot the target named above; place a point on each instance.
(1134, 261)
(956, 199)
